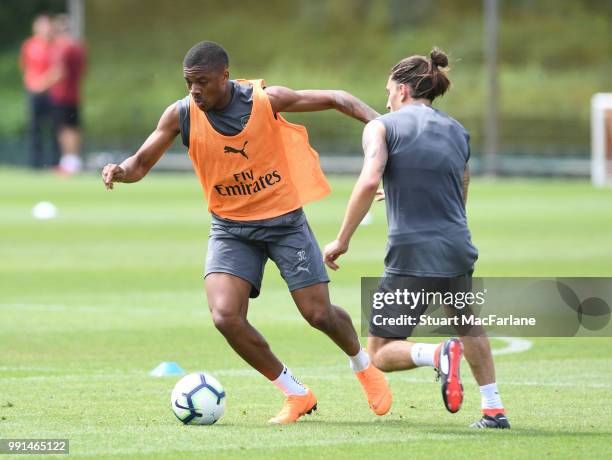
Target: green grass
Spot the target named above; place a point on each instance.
(93, 300)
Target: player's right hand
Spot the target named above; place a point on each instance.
(332, 251)
(380, 195)
(112, 173)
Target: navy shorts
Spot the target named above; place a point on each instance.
(67, 115)
(242, 248)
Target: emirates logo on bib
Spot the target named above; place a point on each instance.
(245, 183)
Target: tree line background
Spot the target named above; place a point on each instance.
(553, 55)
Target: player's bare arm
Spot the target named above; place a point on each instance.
(313, 100)
(137, 166)
(375, 161)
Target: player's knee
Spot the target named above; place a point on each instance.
(319, 318)
(227, 323)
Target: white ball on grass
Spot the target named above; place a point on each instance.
(44, 210)
(198, 399)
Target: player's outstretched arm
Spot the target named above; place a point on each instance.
(376, 154)
(137, 166)
(313, 100)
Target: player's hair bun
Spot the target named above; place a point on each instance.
(426, 78)
(438, 58)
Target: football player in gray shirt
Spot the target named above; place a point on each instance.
(422, 154)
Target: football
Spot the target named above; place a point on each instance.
(198, 399)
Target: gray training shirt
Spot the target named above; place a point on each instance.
(230, 120)
(423, 182)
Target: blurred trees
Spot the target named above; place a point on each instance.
(16, 18)
(553, 55)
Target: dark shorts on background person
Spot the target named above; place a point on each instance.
(390, 283)
(67, 115)
(42, 131)
(242, 248)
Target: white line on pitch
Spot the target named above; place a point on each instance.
(514, 345)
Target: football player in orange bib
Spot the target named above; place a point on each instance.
(257, 171)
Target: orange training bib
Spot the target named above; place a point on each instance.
(266, 170)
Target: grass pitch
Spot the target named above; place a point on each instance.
(91, 301)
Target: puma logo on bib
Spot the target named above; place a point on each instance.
(242, 151)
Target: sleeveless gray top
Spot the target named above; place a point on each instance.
(423, 183)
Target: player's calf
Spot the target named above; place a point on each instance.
(478, 354)
(392, 355)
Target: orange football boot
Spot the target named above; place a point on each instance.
(295, 406)
(376, 389)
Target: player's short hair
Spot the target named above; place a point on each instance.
(206, 54)
(426, 77)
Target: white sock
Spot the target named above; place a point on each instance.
(288, 384)
(489, 397)
(360, 361)
(423, 353)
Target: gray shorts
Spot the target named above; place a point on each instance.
(242, 248)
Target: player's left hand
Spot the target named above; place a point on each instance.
(331, 253)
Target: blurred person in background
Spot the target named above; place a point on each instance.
(35, 64)
(68, 65)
